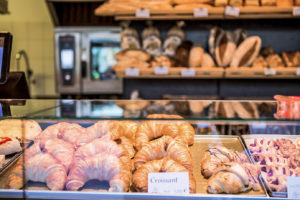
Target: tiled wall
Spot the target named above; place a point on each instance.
(33, 33)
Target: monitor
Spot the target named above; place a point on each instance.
(5, 52)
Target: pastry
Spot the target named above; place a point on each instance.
(225, 48)
(161, 61)
(236, 3)
(207, 61)
(132, 54)
(246, 52)
(174, 38)
(268, 2)
(274, 61)
(251, 2)
(214, 33)
(291, 59)
(9, 146)
(196, 56)
(192, 6)
(221, 2)
(182, 54)
(260, 62)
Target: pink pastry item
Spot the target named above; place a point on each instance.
(44, 168)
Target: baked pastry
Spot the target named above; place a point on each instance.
(207, 61)
(221, 2)
(274, 61)
(236, 2)
(182, 54)
(196, 56)
(192, 6)
(291, 59)
(214, 33)
(225, 48)
(260, 62)
(251, 2)
(268, 2)
(140, 176)
(9, 146)
(246, 52)
(161, 61)
(132, 54)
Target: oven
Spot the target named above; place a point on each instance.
(84, 60)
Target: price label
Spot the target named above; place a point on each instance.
(232, 11)
(168, 183)
(132, 71)
(200, 12)
(161, 70)
(293, 185)
(296, 11)
(298, 71)
(142, 13)
(188, 72)
(270, 71)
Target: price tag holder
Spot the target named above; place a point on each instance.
(188, 72)
(270, 71)
(142, 13)
(200, 12)
(298, 71)
(161, 70)
(168, 183)
(293, 185)
(132, 71)
(232, 11)
(296, 11)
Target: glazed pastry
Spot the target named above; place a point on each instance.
(225, 48)
(132, 54)
(214, 33)
(251, 2)
(140, 177)
(221, 2)
(268, 2)
(247, 52)
(106, 167)
(196, 56)
(9, 146)
(274, 61)
(207, 61)
(182, 54)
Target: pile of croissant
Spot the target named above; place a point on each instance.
(228, 171)
(123, 153)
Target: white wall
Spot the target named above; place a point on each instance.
(30, 23)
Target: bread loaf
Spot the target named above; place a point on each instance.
(268, 2)
(246, 52)
(291, 59)
(297, 2)
(274, 61)
(251, 2)
(236, 2)
(207, 61)
(123, 64)
(285, 3)
(260, 62)
(225, 48)
(192, 1)
(214, 33)
(191, 6)
(196, 56)
(221, 2)
(132, 54)
(182, 54)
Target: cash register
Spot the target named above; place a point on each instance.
(13, 85)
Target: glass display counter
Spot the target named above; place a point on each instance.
(137, 149)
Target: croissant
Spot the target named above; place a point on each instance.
(151, 129)
(106, 167)
(164, 146)
(44, 168)
(140, 177)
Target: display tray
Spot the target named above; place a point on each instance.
(201, 144)
(249, 139)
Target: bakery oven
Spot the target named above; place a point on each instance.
(84, 60)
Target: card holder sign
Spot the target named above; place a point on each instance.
(142, 13)
(270, 71)
(232, 11)
(188, 72)
(132, 71)
(168, 183)
(293, 185)
(161, 70)
(298, 71)
(200, 12)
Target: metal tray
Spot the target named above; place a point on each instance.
(249, 139)
(201, 144)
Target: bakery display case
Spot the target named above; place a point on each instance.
(158, 149)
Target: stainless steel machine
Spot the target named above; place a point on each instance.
(84, 60)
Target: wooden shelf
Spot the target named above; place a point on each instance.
(217, 73)
(214, 13)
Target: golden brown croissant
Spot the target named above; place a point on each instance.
(140, 177)
(162, 147)
(153, 129)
